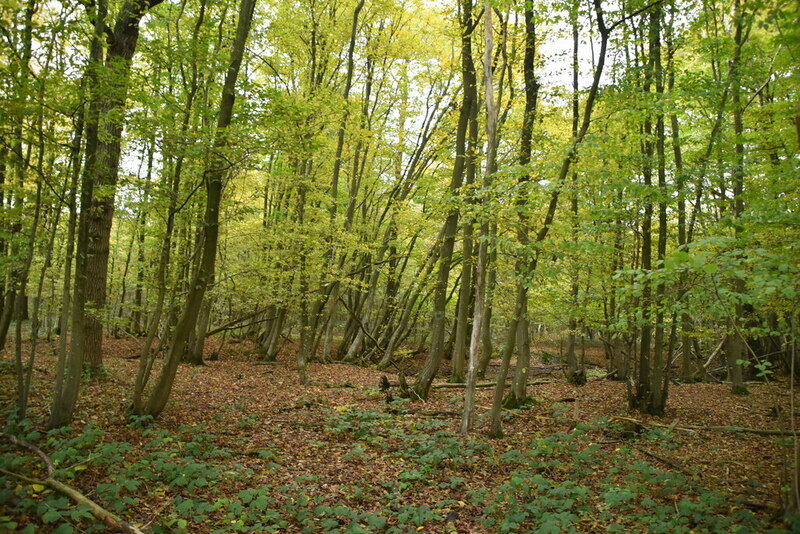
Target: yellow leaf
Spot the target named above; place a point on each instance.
(37, 488)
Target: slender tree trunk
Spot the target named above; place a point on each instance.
(195, 355)
(480, 274)
(18, 269)
(529, 266)
(572, 361)
(425, 377)
(680, 183)
(487, 339)
(619, 363)
(519, 384)
(75, 163)
(21, 370)
(213, 179)
(275, 336)
(146, 357)
(466, 304)
(3, 242)
(408, 302)
(642, 393)
(141, 227)
(337, 161)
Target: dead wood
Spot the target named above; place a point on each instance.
(732, 429)
(108, 519)
(461, 385)
(664, 460)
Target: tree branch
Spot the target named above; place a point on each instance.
(107, 518)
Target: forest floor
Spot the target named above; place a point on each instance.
(243, 447)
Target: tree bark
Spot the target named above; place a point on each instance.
(660, 375)
(70, 365)
(572, 360)
(734, 346)
(105, 171)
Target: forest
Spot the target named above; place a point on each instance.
(399, 265)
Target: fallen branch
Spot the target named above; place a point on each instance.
(756, 505)
(34, 449)
(107, 518)
(459, 385)
(668, 461)
(448, 385)
(713, 354)
(742, 430)
(732, 429)
(436, 413)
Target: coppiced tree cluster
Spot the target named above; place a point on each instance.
(361, 180)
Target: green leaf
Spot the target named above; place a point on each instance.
(51, 516)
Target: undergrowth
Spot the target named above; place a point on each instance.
(564, 482)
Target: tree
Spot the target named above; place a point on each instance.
(421, 387)
(213, 177)
(109, 85)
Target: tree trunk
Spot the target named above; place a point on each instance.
(660, 372)
(70, 365)
(642, 392)
(572, 360)
(195, 355)
(213, 178)
(146, 358)
(75, 163)
(529, 266)
(104, 173)
(480, 274)
(734, 346)
(526, 139)
(425, 377)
